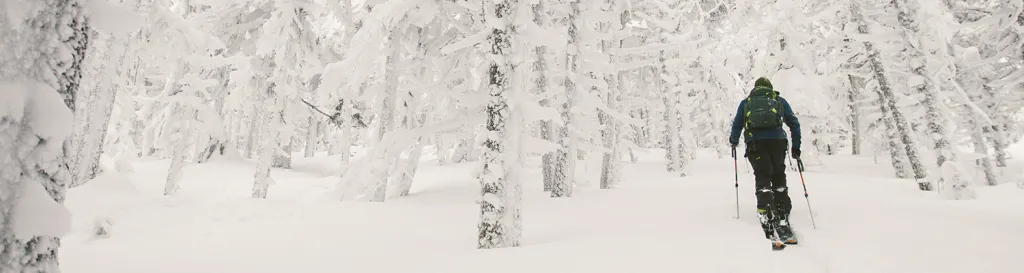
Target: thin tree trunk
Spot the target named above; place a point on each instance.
(440, 150)
(386, 120)
(856, 87)
(981, 148)
(611, 162)
(410, 121)
(345, 148)
(671, 116)
(182, 131)
(565, 157)
(253, 143)
(541, 89)
(311, 137)
(283, 155)
(671, 132)
(270, 142)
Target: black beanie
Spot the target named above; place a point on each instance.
(762, 81)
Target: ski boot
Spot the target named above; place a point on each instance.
(770, 230)
(766, 223)
(786, 231)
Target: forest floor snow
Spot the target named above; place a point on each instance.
(654, 221)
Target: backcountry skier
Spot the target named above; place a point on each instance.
(759, 118)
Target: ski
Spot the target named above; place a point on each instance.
(787, 235)
(778, 245)
(791, 241)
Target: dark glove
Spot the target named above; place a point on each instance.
(796, 152)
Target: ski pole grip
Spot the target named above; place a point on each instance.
(800, 164)
(734, 152)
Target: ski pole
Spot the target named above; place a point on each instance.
(736, 171)
(800, 166)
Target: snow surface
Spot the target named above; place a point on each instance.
(656, 222)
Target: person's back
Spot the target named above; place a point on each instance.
(759, 118)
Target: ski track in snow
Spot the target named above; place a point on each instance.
(653, 222)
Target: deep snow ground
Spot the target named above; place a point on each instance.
(654, 222)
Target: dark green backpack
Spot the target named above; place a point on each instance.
(763, 109)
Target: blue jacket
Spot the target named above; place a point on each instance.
(787, 116)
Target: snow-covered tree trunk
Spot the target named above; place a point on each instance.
(611, 163)
(540, 68)
(888, 103)
(181, 135)
(411, 106)
(645, 133)
(90, 140)
(671, 128)
(41, 86)
(283, 155)
(921, 81)
(386, 120)
(178, 126)
(312, 133)
(218, 142)
(903, 130)
(462, 151)
(270, 143)
(501, 195)
(408, 171)
(996, 133)
(980, 147)
(345, 147)
(440, 149)
(856, 131)
(565, 156)
(897, 153)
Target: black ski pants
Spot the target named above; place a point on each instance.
(768, 158)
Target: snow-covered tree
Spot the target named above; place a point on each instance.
(926, 53)
(565, 157)
(500, 203)
(40, 72)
